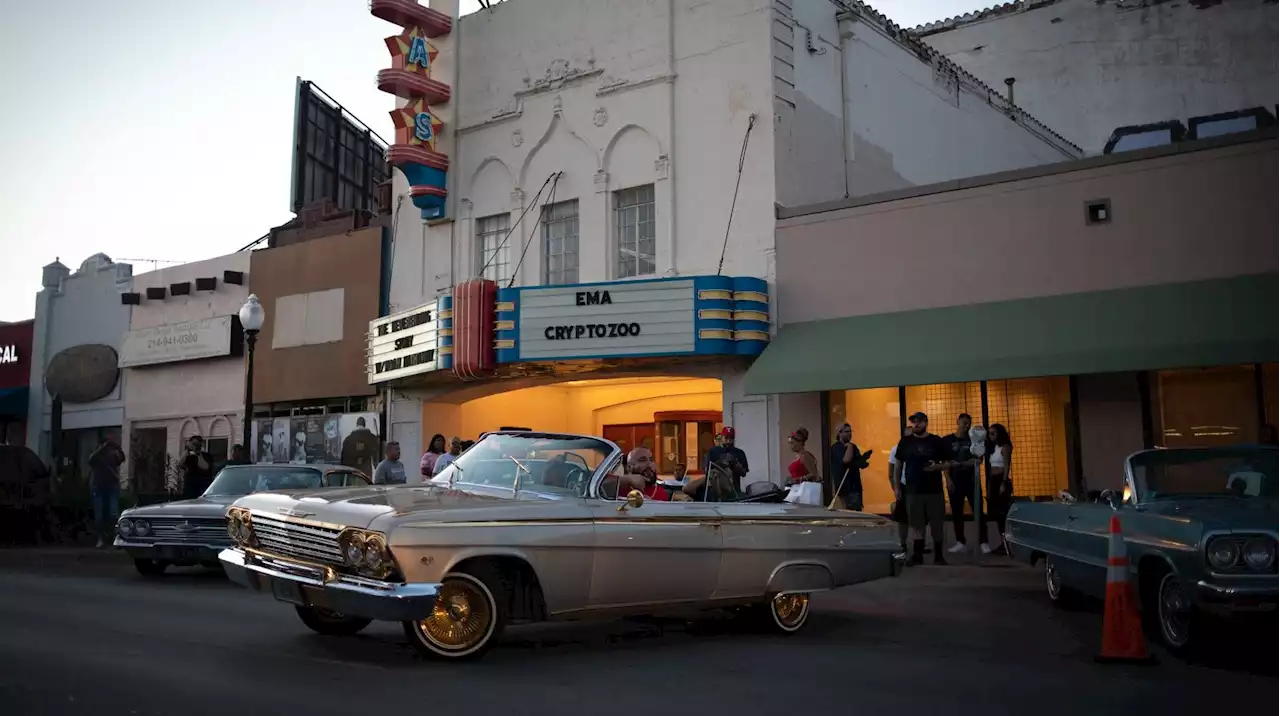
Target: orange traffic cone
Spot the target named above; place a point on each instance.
(1122, 639)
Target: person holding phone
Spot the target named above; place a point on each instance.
(846, 464)
(197, 469)
(922, 458)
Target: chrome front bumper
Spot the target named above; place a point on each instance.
(1236, 599)
(310, 585)
(176, 552)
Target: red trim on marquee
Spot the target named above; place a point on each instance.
(474, 303)
(416, 154)
(407, 84)
(407, 13)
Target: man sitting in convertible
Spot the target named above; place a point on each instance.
(641, 475)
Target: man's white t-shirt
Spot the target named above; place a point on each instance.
(442, 462)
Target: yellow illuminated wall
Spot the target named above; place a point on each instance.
(581, 406)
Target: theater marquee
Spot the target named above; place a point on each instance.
(404, 344)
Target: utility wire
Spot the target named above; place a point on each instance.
(551, 199)
(742, 160)
(497, 249)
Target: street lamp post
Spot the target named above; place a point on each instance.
(251, 319)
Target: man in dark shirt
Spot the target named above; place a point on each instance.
(738, 466)
(922, 456)
(197, 469)
(845, 465)
(961, 481)
(104, 486)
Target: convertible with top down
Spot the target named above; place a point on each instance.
(528, 526)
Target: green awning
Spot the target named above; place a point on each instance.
(1219, 322)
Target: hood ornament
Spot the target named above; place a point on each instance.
(290, 512)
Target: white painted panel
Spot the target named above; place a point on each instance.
(615, 319)
(324, 316)
(290, 317)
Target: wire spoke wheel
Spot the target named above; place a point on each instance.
(789, 611)
(462, 618)
(1174, 611)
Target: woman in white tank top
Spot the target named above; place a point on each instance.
(999, 481)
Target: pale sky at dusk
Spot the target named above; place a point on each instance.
(148, 129)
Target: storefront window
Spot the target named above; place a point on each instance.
(685, 438)
(1206, 407)
(1035, 411)
(872, 413)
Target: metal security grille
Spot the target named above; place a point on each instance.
(560, 243)
(633, 220)
(310, 543)
(1023, 406)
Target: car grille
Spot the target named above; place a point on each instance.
(200, 530)
(308, 542)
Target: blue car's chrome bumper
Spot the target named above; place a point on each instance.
(1234, 599)
(310, 585)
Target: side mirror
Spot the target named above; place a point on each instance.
(635, 498)
(1112, 498)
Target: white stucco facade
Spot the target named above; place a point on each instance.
(203, 396)
(75, 309)
(597, 98)
(1090, 66)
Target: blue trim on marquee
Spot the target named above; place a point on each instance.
(422, 175)
(750, 285)
(512, 354)
(444, 307)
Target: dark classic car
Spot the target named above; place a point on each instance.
(191, 532)
(1200, 530)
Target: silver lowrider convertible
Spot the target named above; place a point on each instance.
(525, 526)
(190, 532)
(1200, 531)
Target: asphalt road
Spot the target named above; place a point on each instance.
(87, 636)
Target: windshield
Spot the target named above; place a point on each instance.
(244, 479)
(550, 464)
(1215, 472)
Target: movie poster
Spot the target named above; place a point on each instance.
(315, 439)
(282, 441)
(349, 439)
(360, 444)
(262, 439)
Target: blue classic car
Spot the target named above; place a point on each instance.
(1200, 528)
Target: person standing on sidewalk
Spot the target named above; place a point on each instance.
(961, 482)
(999, 478)
(197, 469)
(104, 487)
(846, 463)
(390, 471)
(922, 456)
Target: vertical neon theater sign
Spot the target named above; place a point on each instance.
(417, 152)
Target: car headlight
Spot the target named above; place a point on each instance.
(141, 528)
(240, 527)
(1259, 553)
(366, 552)
(125, 527)
(1223, 553)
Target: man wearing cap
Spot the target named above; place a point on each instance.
(922, 456)
(738, 461)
